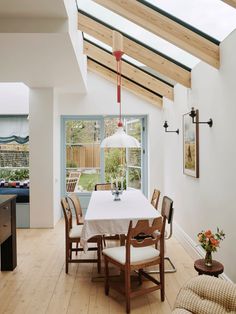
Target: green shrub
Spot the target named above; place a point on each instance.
(14, 175)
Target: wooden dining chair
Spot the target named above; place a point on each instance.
(167, 211)
(106, 187)
(155, 198)
(72, 235)
(136, 255)
(102, 186)
(72, 181)
(74, 203)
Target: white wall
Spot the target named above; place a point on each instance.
(14, 98)
(101, 100)
(209, 201)
(41, 157)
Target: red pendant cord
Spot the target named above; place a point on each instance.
(118, 55)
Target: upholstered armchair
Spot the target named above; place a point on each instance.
(206, 295)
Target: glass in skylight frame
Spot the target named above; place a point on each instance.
(138, 33)
(130, 60)
(213, 17)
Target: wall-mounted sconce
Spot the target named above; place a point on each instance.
(166, 126)
(193, 114)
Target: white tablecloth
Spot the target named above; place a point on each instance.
(105, 216)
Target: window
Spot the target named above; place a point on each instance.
(14, 148)
(86, 164)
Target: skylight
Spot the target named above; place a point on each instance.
(212, 17)
(137, 32)
(108, 48)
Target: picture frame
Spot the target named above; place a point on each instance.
(191, 145)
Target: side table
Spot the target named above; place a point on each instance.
(215, 270)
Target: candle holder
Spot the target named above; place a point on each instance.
(115, 190)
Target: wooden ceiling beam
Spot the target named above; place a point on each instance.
(130, 71)
(157, 61)
(168, 27)
(231, 2)
(126, 83)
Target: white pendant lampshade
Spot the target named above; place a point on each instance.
(120, 139)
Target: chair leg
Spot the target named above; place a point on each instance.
(127, 289)
(140, 276)
(162, 280)
(106, 276)
(67, 257)
(104, 241)
(70, 250)
(99, 247)
(77, 246)
(167, 271)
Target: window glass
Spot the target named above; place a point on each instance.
(87, 164)
(137, 32)
(14, 162)
(134, 155)
(213, 17)
(82, 155)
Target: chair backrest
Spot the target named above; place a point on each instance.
(67, 215)
(72, 181)
(155, 198)
(102, 186)
(167, 209)
(74, 174)
(143, 226)
(74, 200)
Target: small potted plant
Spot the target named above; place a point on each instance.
(210, 242)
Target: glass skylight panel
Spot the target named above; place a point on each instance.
(126, 58)
(102, 45)
(97, 42)
(138, 33)
(213, 17)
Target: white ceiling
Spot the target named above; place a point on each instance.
(42, 59)
(32, 8)
(38, 60)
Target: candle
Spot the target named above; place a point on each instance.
(116, 183)
(111, 184)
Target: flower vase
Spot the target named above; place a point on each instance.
(208, 259)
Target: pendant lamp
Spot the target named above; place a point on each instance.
(120, 138)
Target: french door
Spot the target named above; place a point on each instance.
(82, 154)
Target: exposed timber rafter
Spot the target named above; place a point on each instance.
(168, 27)
(128, 84)
(230, 2)
(128, 70)
(135, 49)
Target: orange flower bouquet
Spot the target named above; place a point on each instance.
(210, 242)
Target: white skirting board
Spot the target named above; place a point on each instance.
(22, 215)
(193, 249)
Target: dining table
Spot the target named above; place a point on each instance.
(106, 216)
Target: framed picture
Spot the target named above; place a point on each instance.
(190, 146)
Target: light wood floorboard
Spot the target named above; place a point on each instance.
(39, 283)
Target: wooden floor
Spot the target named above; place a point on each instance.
(39, 283)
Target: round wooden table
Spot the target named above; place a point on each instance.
(215, 270)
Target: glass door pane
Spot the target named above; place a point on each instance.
(115, 162)
(82, 155)
(134, 155)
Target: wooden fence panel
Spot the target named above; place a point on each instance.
(86, 156)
